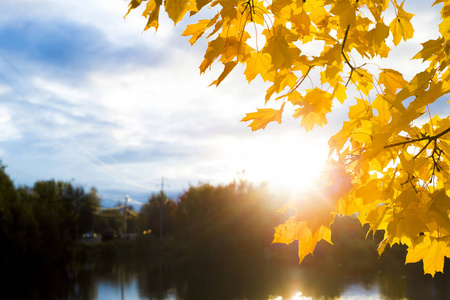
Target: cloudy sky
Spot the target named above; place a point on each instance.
(87, 96)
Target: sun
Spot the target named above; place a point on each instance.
(288, 164)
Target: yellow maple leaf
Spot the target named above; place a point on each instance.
(444, 28)
(346, 11)
(424, 98)
(301, 23)
(229, 9)
(431, 251)
(133, 4)
(313, 112)
(293, 229)
(296, 98)
(392, 80)
(283, 78)
(376, 40)
(152, 13)
(177, 9)
(364, 81)
(339, 92)
(151, 5)
(201, 3)
(414, 87)
(409, 226)
(281, 9)
(258, 63)
(308, 240)
(377, 218)
(438, 210)
(229, 66)
(369, 192)
(401, 27)
(317, 12)
(349, 206)
(359, 110)
(403, 225)
(236, 47)
(407, 162)
(289, 231)
(331, 74)
(264, 116)
(278, 48)
(213, 51)
(198, 29)
(364, 133)
(430, 49)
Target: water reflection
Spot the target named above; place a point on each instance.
(160, 280)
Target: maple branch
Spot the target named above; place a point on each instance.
(343, 46)
(247, 4)
(435, 155)
(429, 138)
(352, 68)
(425, 147)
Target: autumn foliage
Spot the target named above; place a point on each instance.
(386, 164)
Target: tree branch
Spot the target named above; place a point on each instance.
(352, 68)
(425, 138)
(343, 46)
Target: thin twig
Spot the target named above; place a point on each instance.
(299, 82)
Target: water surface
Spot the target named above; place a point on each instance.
(134, 280)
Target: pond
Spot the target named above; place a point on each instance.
(132, 280)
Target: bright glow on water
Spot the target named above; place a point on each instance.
(297, 296)
(356, 291)
(352, 292)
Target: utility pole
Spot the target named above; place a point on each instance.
(161, 210)
(124, 221)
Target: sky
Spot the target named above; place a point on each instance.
(88, 97)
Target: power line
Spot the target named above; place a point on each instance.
(16, 70)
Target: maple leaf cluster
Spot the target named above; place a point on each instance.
(393, 174)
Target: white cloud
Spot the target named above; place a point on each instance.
(8, 131)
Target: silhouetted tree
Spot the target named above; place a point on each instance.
(88, 206)
(150, 215)
(42, 224)
(223, 222)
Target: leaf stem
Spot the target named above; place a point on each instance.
(298, 83)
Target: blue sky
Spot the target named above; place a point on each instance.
(87, 96)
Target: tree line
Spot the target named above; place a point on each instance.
(42, 223)
(45, 223)
(212, 224)
(225, 226)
